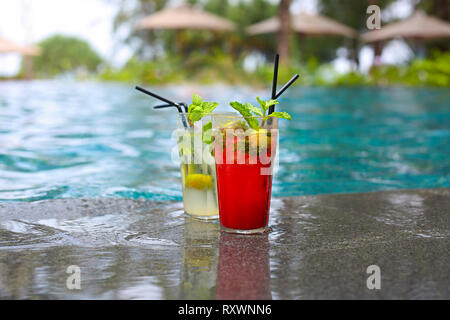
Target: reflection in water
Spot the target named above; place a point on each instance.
(199, 268)
(320, 248)
(332, 239)
(244, 270)
(127, 255)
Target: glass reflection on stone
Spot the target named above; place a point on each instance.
(200, 251)
(244, 269)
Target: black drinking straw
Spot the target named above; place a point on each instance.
(162, 106)
(274, 81)
(287, 85)
(275, 95)
(169, 103)
(184, 106)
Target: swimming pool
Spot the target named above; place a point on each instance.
(71, 140)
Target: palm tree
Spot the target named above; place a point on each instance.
(285, 29)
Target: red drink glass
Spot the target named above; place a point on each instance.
(243, 271)
(244, 162)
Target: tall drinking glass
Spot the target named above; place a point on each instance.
(198, 172)
(244, 166)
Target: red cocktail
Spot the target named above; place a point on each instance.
(244, 159)
(243, 271)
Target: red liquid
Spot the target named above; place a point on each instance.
(244, 268)
(243, 193)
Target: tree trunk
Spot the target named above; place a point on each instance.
(441, 9)
(354, 55)
(28, 67)
(376, 46)
(285, 29)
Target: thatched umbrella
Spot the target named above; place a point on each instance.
(418, 26)
(7, 46)
(304, 24)
(185, 17)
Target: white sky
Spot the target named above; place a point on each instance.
(92, 20)
(88, 19)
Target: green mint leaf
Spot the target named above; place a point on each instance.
(253, 109)
(265, 105)
(200, 108)
(252, 122)
(195, 112)
(209, 107)
(281, 115)
(239, 107)
(245, 112)
(196, 99)
(262, 104)
(195, 115)
(191, 107)
(207, 126)
(207, 133)
(270, 103)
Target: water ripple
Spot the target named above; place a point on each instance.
(71, 140)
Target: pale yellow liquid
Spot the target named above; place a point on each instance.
(202, 203)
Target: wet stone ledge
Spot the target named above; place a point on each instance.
(318, 247)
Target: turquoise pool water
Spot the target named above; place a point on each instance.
(71, 140)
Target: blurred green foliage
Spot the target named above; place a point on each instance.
(168, 56)
(219, 67)
(63, 53)
(432, 71)
(198, 67)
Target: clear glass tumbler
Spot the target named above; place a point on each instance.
(198, 172)
(244, 167)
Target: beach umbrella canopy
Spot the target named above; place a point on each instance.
(7, 46)
(419, 26)
(185, 17)
(306, 24)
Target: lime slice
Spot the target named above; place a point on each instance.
(260, 139)
(198, 181)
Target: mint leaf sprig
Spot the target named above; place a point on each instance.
(249, 111)
(246, 111)
(200, 108)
